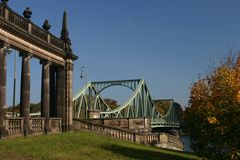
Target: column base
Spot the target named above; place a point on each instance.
(3, 133)
(27, 131)
(67, 128)
(47, 130)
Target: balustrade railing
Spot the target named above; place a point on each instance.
(18, 20)
(175, 141)
(153, 137)
(2, 11)
(56, 124)
(124, 134)
(55, 41)
(30, 28)
(107, 130)
(37, 124)
(40, 33)
(14, 125)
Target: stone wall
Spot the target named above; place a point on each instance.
(133, 124)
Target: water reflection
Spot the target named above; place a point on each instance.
(186, 141)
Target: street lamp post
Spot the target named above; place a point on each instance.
(83, 75)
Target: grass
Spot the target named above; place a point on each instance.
(82, 146)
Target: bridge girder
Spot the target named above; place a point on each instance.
(102, 85)
(139, 104)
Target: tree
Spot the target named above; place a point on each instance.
(162, 106)
(111, 103)
(213, 117)
(34, 108)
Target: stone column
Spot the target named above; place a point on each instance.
(68, 117)
(60, 92)
(25, 93)
(3, 72)
(53, 105)
(45, 95)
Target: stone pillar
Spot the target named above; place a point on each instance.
(93, 114)
(45, 95)
(60, 92)
(25, 93)
(53, 90)
(68, 117)
(3, 73)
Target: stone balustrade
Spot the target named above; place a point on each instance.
(55, 124)
(32, 31)
(176, 142)
(37, 124)
(118, 133)
(163, 140)
(14, 126)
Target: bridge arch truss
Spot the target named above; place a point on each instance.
(139, 104)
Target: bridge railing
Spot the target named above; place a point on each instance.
(155, 123)
(165, 140)
(174, 141)
(125, 134)
(118, 133)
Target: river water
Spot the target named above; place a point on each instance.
(186, 141)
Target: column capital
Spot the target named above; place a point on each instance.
(4, 44)
(45, 62)
(60, 68)
(26, 54)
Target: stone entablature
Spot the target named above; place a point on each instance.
(23, 28)
(34, 39)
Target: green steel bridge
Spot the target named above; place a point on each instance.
(139, 104)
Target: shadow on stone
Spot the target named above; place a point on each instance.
(3, 133)
(27, 131)
(47, 130)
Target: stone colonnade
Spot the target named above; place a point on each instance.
(56, 91)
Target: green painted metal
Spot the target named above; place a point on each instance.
(139, 104)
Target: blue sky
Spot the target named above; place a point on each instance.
(167, 42)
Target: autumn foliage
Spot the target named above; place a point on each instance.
(213, 117)
(111, 103)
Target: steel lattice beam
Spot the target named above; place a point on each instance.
(139, 104)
